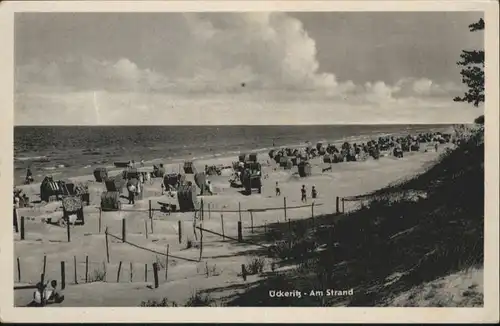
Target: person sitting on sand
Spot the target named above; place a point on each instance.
(38, 299)
(303, 192)
(314, 192)
(278, 190)
(51, 294)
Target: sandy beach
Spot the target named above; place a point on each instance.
(220, 265)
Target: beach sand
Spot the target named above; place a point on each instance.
(222, 259)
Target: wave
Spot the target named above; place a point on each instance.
(38, 159)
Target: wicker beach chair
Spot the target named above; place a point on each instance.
(100, 174)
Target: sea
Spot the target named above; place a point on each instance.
(69, 151)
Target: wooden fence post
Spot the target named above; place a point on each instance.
(337, 207)
(155, 274)
(44, 265)
(146, 228)
(131, 272)
(284, 206)
(243, 272)
(76, 276)
(63, 275)
(265, 227)
(105, 269)
(124, 230)
(251, 220)
(16, 226)
(343, 208)
(100, 219)
(166, 262)
(68, 229)
(86, 269)
(18, 270)
(202, 208)
(222, 226)
(201, 241)
(240, 234)
(312, 214)
(22, 227)
(118, 274)
(209, 211)
(107, 245)
(180, 231)
(151, 216)
(239, 210)
(145, 272)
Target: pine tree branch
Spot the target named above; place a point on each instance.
(477, 26)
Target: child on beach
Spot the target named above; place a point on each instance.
(131, 193)
(303, 193)
(162, 188)
(51, 294)
(278, 190)
(314, 192)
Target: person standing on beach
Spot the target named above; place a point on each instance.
(29, 176)
(210, 188)
(314, 192)
(303, 192)
(278, 190)
(131, 193)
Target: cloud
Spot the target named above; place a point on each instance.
(267, 60)
(221, 51)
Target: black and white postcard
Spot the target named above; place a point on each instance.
(261, 155)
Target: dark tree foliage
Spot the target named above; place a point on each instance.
(473, 71)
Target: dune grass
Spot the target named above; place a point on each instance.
(389, 246)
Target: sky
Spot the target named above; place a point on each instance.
(241, 68)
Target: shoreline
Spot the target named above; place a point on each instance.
(172, 164)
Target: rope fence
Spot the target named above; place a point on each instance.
(150, 250)
(108, 270)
